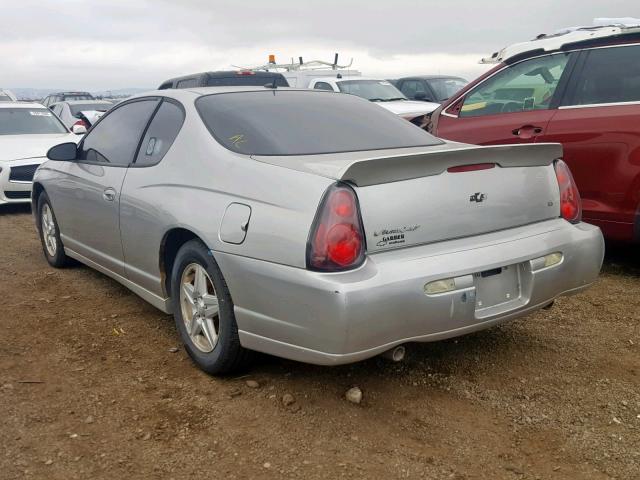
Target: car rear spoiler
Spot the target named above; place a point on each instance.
(404, 167)
(370, 168)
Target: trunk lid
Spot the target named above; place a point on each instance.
(409, 197)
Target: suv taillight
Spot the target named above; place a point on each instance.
(80, 123)
(336, 241)
(570, 203)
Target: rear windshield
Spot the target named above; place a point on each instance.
(304, 123)
(5, 98)
(246, 80)
(84, 107)
(23, 121)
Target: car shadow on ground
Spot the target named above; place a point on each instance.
(622, 259)
(15, 208)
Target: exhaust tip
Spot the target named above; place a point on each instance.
(396, 354)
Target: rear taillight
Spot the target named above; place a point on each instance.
(336, 241)
(570, 203)
(80, 123)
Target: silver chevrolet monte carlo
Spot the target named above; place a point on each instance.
(311, 225)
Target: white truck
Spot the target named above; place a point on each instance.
(322, 75)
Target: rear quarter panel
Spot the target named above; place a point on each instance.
(191, 189)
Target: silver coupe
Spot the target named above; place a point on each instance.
(311, 225)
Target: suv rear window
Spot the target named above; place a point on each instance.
(309, 122)
(246, 80)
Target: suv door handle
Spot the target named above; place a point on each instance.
(527, 131)
(109, 194)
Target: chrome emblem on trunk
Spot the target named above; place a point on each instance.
(478, 197)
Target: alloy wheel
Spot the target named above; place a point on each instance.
(199, 307)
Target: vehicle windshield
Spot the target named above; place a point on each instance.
(84, 107)
(374, 90)
(25, 121)
(5, 98)
(445, 88)
(293, 122)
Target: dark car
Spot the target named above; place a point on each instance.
(430, 88)
(226, 79)
(581, 90)
(65, 96)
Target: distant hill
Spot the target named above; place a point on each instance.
(38, 93)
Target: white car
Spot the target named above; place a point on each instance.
(79, 115)
(7, 96)
(380, 91)
(27, 131)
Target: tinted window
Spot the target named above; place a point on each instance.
(304, 122)
(21, 121)
(246, 80)
(323, 86)
(81, 96)
(411, 87)
(188, 83)
(115, 139)
(528, 85)
(161, 133)
(610, 75)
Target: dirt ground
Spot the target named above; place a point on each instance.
(92, 387)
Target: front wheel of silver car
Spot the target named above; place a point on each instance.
(50, 233)
(203, 311)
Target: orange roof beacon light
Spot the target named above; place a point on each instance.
(272, 58)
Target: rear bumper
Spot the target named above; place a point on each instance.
(337, 318)
(16, 191)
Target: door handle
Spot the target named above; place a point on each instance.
(109, 194)
(527, 131)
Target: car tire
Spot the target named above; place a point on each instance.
(197, 288)
(49, 232)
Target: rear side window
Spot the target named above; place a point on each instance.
(286, 122)
(114, 140)
(610, 75)
(161, 133)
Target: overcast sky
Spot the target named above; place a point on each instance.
(109, 44)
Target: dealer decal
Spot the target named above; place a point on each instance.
(39, 113)
(394, 236)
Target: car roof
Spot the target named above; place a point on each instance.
(566, 39)
(22, 105)
(86, 102)
(194, 92)
(375, 79)
(431, 77)
(69, 93)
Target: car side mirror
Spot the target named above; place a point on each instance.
(64, 152)
(79, 129)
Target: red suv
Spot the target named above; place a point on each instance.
(581, 89)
